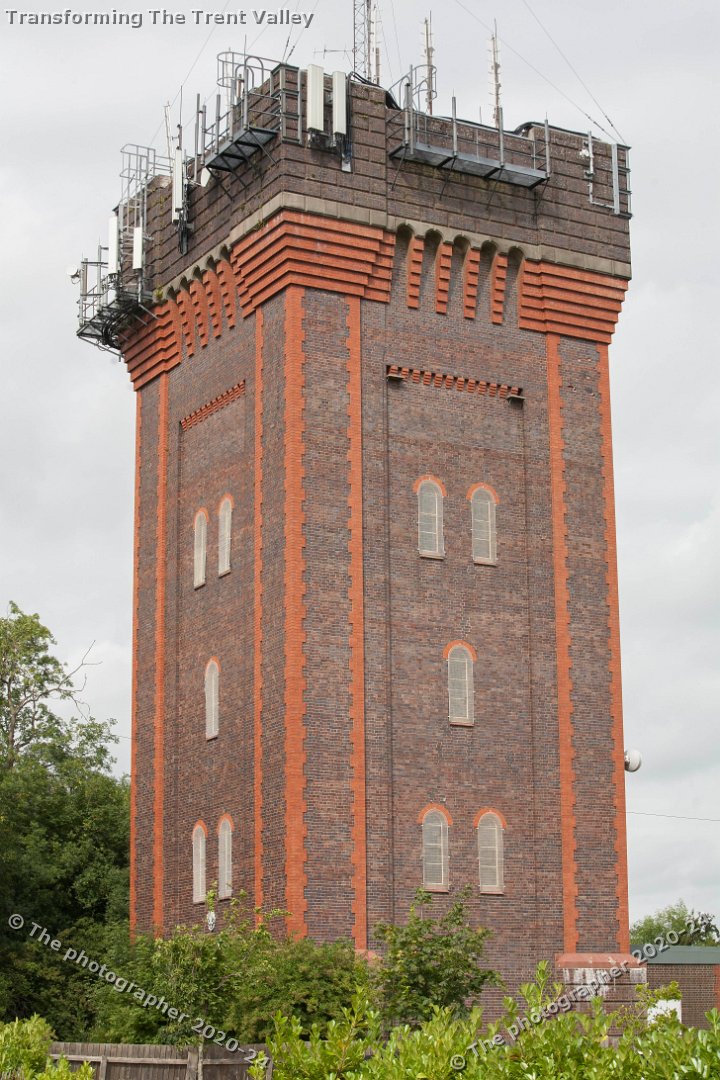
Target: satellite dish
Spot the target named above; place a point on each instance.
(205, 177)
(633, 760)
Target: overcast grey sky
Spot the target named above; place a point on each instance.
(73, 95)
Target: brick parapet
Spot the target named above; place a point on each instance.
(557, 221)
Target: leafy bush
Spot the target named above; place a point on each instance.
(234, 979)
(24, 1053)
(430, 962)
(239, 977)
(571, 1046)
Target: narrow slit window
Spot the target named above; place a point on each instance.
(460, 686)
(198, 857)
(435, 850)
(200, 549)
(490, 853)
(484, 541)
(212, 699)
(225, 871)
(225, 536)
(430, 519)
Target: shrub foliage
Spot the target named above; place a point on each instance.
(570, 1046)
(24, 1053)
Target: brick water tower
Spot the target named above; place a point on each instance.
(375, 612)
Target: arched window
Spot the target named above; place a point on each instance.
(198, 856)
(461, 694)
(200, 548)
(212, 699)
(225, 535)
(490, 852)
(430, 519)
(484, 540)
(225, 871)
(435, 850)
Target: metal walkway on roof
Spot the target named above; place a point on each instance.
(239, 149)
(473, 164)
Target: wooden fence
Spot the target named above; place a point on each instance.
(118, 1061)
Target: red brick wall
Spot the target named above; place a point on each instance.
(698, 984)
(330, 629)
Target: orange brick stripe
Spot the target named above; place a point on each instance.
(357, 628)
(562, 647)
(614, 649)
(295, 681)
(443, 265)
(199, 299)
(187, 320)
(159, 747)
(498, 281)
(573, 303)
(258, 609)
(214, 301)
(213, 406)
(414, 270)
(314, 251)
(153, 347)
(228, 290)
(471, 277)
(135, 631)
(453, 382)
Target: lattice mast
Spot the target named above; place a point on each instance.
(362, 37)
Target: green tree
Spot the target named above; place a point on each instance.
(234, 979)
(31, 681)
(691, 927)
(64, 830)
(431, 962)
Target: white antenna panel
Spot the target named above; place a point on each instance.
(137, 258)
(178, 184)
(113, 244)
(315, 98)
(339, 103)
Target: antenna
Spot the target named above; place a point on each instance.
(178, 184)
(429, 51)
(362, 19)
(495, 76)
(168, 137)
(374, 44)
